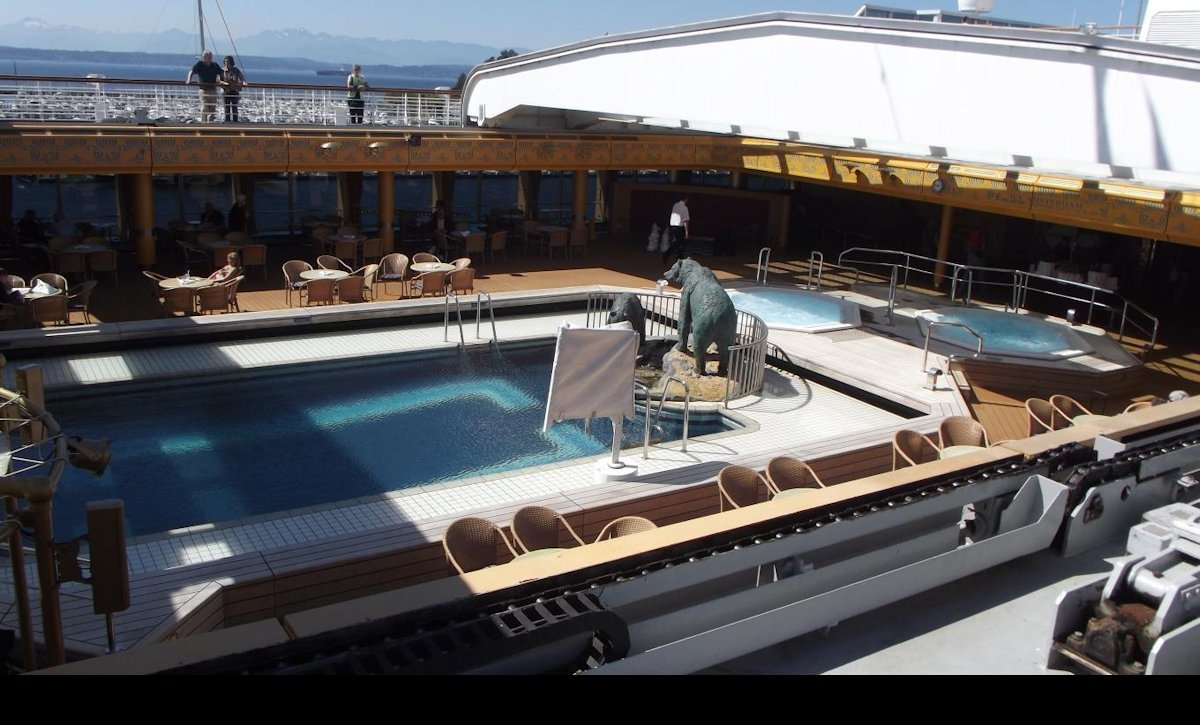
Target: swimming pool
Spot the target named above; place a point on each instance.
(219, 448)
(794, 309)
(1006, 333)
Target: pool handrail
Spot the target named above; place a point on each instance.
(946, 323)
(687, 404)
(479, 299)
(462, 340)
(764, 264)
(964, 276)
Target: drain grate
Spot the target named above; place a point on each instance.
(846, 335)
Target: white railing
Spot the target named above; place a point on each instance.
(26, 98)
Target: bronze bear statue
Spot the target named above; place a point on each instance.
(706, 313)
(627, 307)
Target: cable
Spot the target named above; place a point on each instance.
(237, 57)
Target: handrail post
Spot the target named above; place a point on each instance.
(764, 261)
(929, 334)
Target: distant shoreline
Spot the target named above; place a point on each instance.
(8, 54)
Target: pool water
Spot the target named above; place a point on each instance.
(1006, 333)
(217, 449)
(794, 309)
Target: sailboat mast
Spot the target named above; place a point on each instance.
(200, 17)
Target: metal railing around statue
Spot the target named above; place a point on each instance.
(747, 357)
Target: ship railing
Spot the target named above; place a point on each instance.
(111, 100)
(1090, 303)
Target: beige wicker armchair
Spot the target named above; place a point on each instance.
(539, 527)
(1042, 418)
(785, 472)
(473, 543)
(625, 526)
(961, 430)
(910, 448)
(1067, 407)
(741, 486)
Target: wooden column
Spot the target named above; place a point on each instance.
(385, 191)
(579, 180)
(943, 248)
(143, 217)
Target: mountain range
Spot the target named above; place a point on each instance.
(290, 43)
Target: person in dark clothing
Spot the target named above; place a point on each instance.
(237, 215)
(210, 216)
(29, 229)
(208, 75)
(232, 81)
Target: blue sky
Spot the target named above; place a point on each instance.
(527, 24)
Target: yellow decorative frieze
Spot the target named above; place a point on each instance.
(191, 154)
(1183, 221)
(808, 166)
(74, 154)
(1090, 206)
(653, 154)
(998, 194)
(562, 154)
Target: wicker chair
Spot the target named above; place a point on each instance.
(255, 256)
(70, 264)
(231, 290)
(292, 279)
(741, 486)
(910, 448)
(625, 526)
(475, 243)
(394, 268)
(57, 281)
(1068, 408)
(785, 472)
(425, 257)
(1042, 417)
(372, 249)
(473, 543)
(430, 283)
(1139, 405)
(347, 251)
(462, 280)
(104, 261)
(538, 527)
(318, 291)
(961, 430)
(499, 244)
(179, 299)
(328, 261)
(80, 297)
(349, 289)
(52, 308)
(212, 299)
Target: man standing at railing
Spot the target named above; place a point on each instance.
(209, 74)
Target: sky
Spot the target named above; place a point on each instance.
(523, 24)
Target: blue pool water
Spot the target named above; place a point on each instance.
(793, 309)
(1005, 333)
(222, 448)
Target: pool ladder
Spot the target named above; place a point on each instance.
(649, 425)
(479, 306)
(929, 333)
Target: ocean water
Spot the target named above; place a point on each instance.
(74, 69)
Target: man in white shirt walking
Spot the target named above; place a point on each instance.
(680, 226)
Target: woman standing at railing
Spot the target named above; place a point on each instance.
(232, 81)
(356, 82)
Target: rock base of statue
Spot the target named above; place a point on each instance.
(702, 388)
